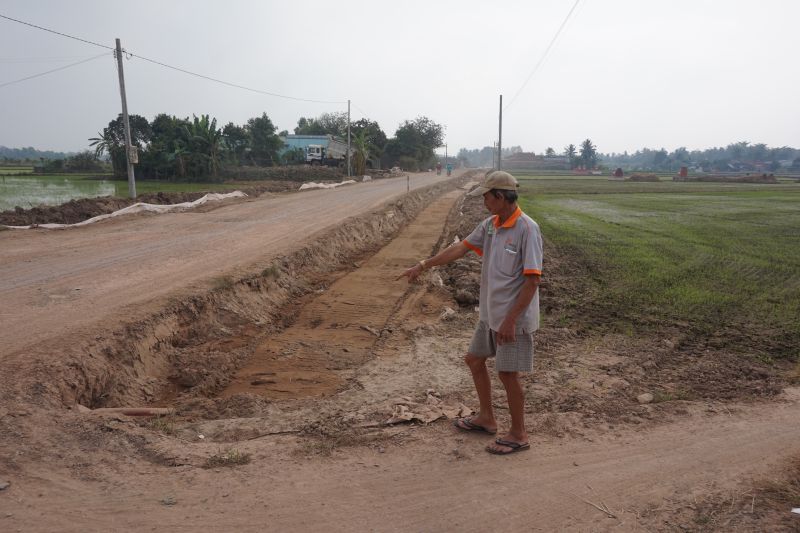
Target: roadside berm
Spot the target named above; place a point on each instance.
(314, 391)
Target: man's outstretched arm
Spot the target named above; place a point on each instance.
(449, 254)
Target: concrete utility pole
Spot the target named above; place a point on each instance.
(131, 156)
(500, 137)
(349, 173)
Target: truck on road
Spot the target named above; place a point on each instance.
(318, 149)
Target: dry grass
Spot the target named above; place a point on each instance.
(230, 458)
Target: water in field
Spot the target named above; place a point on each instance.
(32, 191)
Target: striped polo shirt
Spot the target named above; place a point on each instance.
(510, 252)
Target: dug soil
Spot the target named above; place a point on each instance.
(314, 390)
(82, 209)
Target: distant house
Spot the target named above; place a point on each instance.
(530, 161)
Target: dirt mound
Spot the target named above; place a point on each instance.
(82, 209)
(642, 177)
(763, 178)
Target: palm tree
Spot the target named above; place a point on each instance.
(107, 143)
(571, 152)
(588, 154)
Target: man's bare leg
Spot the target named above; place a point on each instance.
(483, 386)
(516, 407)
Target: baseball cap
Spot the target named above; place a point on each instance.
(496, 180)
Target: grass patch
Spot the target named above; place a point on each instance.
(163, 424)
(223, 283)
(229, 458)
(719, 261)
(272, 272)
(660, 396)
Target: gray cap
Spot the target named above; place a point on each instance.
(496, 180)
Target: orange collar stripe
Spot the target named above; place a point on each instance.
(511, 220)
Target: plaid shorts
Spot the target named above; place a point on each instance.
(514, 357)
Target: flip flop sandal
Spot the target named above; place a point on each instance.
(515, 447)
(466, 424)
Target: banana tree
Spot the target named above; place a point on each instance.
(205, 140)
(362, 148)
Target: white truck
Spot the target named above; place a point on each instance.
(331, 152)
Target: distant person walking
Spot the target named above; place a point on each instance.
(510, 244)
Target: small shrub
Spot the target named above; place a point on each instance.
(163, 424)
(271, 271)
(229, 458)
(223, 283)
(667, 396)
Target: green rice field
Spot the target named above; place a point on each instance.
(720, 261)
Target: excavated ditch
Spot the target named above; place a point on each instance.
(236, 337)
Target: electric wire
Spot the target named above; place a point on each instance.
(57, 32)
(237, 85)
(209, 78)
(366, 116)
(30, 60)
(544, 55)
(104, 54)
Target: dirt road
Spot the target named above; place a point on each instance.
(54, 282)
(436, 481)
(281, 420)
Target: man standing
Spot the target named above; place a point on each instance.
(510, 244)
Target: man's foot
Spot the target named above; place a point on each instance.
(506, 447)
(471, 423)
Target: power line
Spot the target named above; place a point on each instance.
(177, 68)
(104, 54)
(57, 32)
(237, 85)
(547, 50)
(366, 116)
(54, 59)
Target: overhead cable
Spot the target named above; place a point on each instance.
(544, 55)
(57, 32)
(177, 68)
(236, 85)
(360, 110)
(104, 54)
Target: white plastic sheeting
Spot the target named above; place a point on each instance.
(140, 207)
(315, 185)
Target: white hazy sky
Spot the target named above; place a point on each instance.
(626, 73)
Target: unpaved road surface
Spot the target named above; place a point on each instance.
(304, 394)
(442, 481)
(54, 282)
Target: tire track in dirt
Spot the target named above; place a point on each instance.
(337, 330)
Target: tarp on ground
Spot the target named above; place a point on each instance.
(142, 207)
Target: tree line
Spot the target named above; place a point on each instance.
(198, 148)
(586, 156)
(740, 156)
